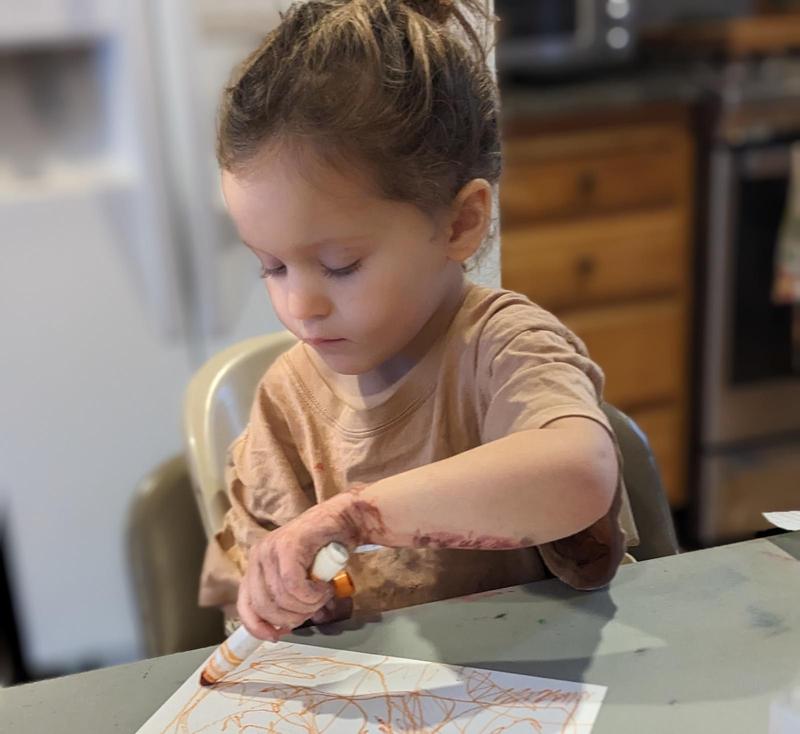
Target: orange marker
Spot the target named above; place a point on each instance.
(329, 564)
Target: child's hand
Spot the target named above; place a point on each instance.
(334, 610)
(276, 594)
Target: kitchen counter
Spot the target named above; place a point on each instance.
(619, 91)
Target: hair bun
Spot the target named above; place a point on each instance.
(438, 11)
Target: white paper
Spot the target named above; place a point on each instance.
(302, 689)
(784, 520)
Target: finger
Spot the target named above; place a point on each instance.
(258, 591)
(333, 611)
(266, 592)
(323, 615)
(306, 593)
(262, 603)
(273, 595)
(265, 601)
(281, 584)
(252, 622)
(288, 583)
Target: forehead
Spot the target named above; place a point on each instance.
(282, 202)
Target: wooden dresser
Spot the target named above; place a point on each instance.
(596, 224)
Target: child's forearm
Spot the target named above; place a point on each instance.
(525, 489)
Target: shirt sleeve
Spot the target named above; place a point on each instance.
(538, 376)
(267, 485)
(535, 376)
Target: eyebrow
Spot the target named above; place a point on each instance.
(319, 243)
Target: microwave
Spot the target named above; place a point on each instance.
(558, 37)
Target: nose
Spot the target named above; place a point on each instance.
(305, 301)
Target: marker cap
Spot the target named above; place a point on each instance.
(329, 561)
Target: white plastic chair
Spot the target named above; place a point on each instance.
(216, 410)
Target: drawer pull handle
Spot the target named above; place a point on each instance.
(587, 183)
(585, 266)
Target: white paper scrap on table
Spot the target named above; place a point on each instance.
(784, 520)
(291, 688)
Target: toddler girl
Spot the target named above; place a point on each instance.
(458, 426)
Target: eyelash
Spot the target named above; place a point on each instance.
(327, 272)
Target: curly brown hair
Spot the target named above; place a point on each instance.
(391, 86)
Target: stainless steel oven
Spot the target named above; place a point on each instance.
(748, 448)
(555, 37)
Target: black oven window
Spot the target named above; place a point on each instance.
(762, 343)
(541, 19)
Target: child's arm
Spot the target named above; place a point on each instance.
(525, 489)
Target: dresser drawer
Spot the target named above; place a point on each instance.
(640, 347)
(667, 436)
(597, 260)
(590, 179)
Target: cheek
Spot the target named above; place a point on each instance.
(272, 292)
(391, 307)
(381, 297)
(275, 294)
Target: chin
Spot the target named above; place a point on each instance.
(346, 365)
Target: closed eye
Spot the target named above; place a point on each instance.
(327, 272)
(271, 272)
(342, 272)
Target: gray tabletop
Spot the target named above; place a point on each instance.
(701, 642)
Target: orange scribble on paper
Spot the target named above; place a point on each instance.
(290, 691)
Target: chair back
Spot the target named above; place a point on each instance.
(216, 410)
(166, 543)
(649, 505)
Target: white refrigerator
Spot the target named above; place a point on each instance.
(121, 273)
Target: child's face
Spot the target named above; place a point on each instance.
(354, 275)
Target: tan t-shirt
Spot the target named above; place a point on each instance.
(504, 365)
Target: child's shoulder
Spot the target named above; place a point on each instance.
(493, 318)
(505, 306)
(278, 379)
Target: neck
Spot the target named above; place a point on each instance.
(396, 367)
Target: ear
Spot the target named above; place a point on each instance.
(470, 215)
